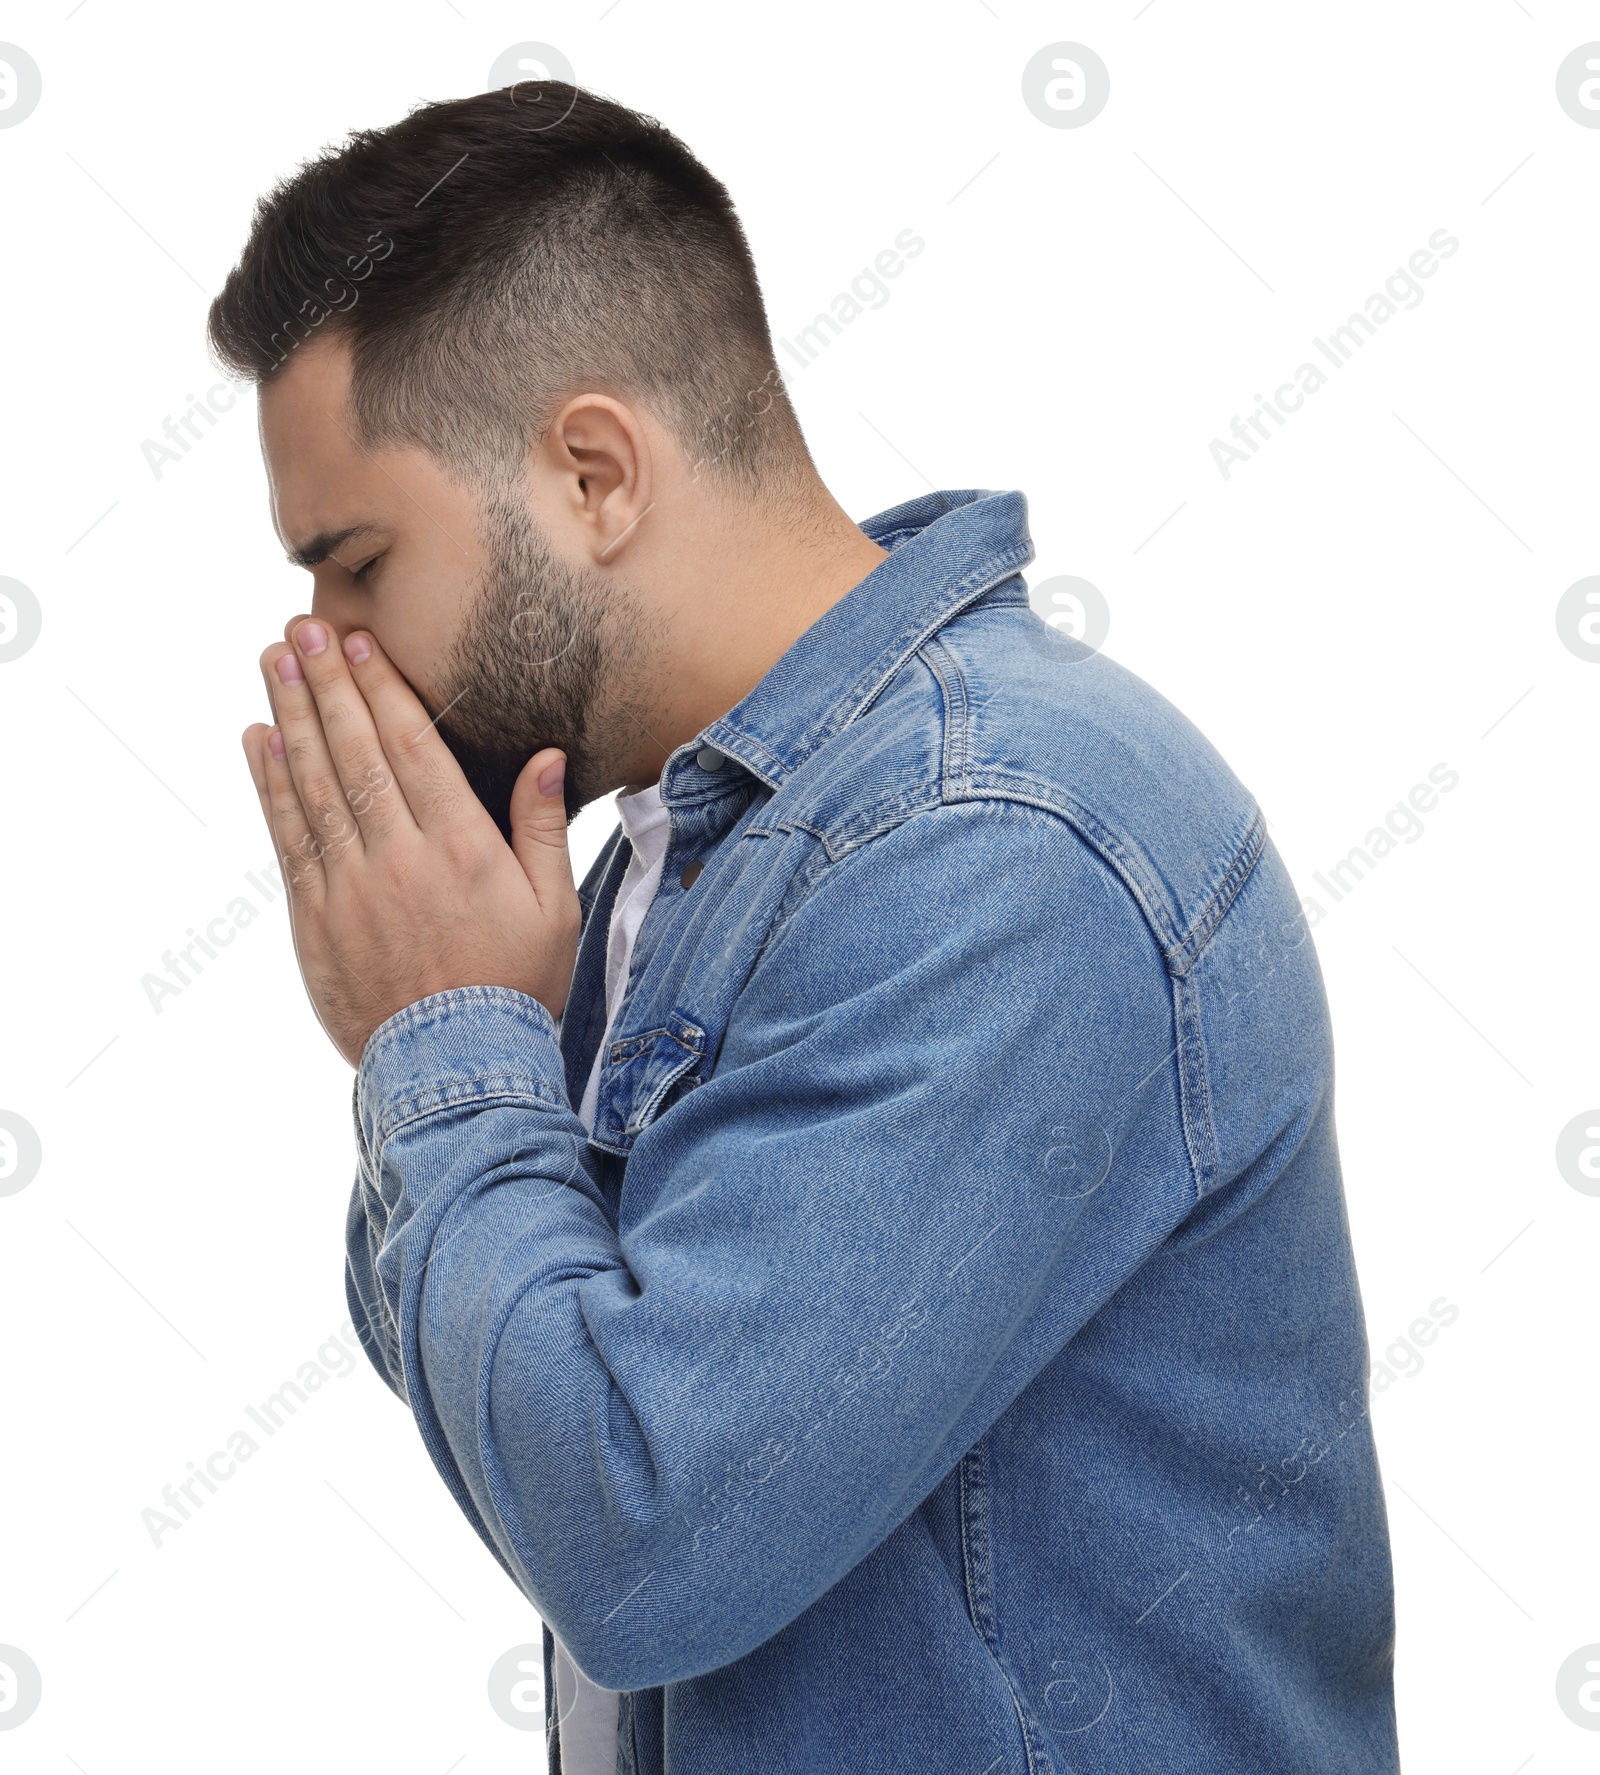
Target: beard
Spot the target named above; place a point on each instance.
(543, 646)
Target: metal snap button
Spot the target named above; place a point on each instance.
(691, 873)
(709, 758)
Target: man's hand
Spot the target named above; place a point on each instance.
(400, 884)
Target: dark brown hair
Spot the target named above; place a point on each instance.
(487, 257)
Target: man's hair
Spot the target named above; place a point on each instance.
(485, 258)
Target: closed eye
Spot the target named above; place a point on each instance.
(362, 571)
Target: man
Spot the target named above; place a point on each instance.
(870, 1262)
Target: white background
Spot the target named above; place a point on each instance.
(1372, 594)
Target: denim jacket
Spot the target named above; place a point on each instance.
(945, 1357)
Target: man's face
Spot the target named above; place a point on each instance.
(509, 647)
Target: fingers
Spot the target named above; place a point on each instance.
(254, 739)
(346, 789)
(309, 765)
(297, 846)
(431, 782)
(364, 773)
(539, 821)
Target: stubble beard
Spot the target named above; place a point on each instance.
(549, 655)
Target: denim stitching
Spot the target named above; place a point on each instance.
(1209, 920)
(502, 1089)
(994, 572)
(426, 1012)
(552, 1746)
(978, 1570)
(870, 684)
(955, 753)
(1194, 1094)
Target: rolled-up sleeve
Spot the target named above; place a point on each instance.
(911, 1176)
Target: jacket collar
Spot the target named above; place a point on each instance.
(946, 551)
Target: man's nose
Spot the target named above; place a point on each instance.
(324, 611)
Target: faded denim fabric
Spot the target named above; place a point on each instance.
(946, 1358)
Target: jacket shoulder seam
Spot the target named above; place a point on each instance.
(1180, 949)
(1209, 919)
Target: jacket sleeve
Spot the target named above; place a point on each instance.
(921, 1163)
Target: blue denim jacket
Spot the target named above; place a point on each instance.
(946, 1357)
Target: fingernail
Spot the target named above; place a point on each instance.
(289, 669)
(357, 648)
(275, 743)
(312, 637)
(550, 777)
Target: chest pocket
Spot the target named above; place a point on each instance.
(642, 1075)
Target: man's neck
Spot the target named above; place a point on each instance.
(765, 585)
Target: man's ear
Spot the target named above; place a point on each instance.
(596, 470)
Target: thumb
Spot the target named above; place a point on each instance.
(539, 827)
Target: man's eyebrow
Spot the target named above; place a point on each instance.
(323, 544)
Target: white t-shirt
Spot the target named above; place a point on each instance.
(587, 1714)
